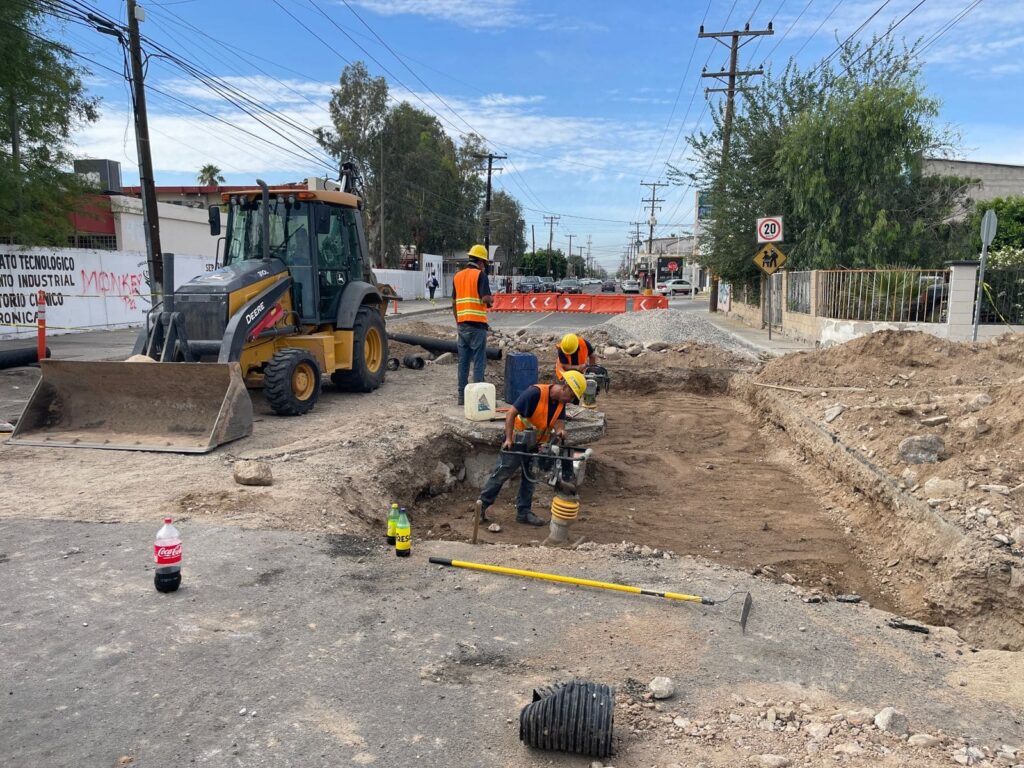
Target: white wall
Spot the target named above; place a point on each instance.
(409, 284)
(183, 230)
(86, 289)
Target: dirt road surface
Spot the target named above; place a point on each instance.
(289, 649)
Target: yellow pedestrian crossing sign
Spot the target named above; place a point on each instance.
(770, 259)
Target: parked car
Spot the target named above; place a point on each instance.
(547, 285)
(529, 284)
(569, 285)
(589, 281)
(673, 287)
(609, 286)
(631, 286)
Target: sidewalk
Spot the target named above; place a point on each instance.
(757, 338)
(419, 306)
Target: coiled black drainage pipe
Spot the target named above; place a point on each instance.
(413, 361)
(393, 364)
(570, 717)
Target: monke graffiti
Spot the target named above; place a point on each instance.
(127, 285)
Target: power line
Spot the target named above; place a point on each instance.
(853, 34)
(880, 39)
(948, 26)
(786, 33)
(818, 29)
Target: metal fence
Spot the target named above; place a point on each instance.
(748, 293)
(798, 292)
(1003, 296)
(883, 295)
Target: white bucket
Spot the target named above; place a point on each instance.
(481, 401)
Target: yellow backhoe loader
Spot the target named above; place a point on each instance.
(295, 300)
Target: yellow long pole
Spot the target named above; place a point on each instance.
(570, 580)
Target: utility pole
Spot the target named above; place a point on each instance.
(730, 92)
(490, 157)
(550, 220)
(568, 266)
(533, 239)
(382, 262)
(636, 245)
(652, 200)
(150, 215)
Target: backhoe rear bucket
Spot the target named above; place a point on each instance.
(175, 407)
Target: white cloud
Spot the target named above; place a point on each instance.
(505, 100)
(467, 13)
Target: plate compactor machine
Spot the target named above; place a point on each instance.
(295, 300)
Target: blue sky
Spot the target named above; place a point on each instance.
(586, 98)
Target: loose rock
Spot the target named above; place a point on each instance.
(253, 473)
(923, 740)
(922, 449)
(892, 720)
(494, 528)
(446, 359)
(833, 413)
(775, 761)
(662, 687)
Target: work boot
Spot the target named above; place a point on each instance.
(530, 519)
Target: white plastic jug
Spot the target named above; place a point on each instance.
(481, 401)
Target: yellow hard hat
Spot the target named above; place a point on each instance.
(478, 252)
(577, 382)
(570, 343)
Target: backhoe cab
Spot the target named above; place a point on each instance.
(295, 300)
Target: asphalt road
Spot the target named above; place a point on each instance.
(341, 654)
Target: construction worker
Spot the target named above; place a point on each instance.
(471, 296)
(574, 354)
(540, 407)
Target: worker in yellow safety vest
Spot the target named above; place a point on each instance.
(470, 300)
(574, 353)
(540, 407)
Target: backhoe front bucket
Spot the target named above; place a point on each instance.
(175, 407)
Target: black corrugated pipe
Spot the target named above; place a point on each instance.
(12, 358)
(438, 346)
(413, 361)
(570, 717)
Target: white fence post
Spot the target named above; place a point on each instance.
(963, 283)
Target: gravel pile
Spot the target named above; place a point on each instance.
(670, 326)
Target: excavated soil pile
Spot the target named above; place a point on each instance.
(874, 360)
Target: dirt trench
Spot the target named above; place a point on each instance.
(683, 468)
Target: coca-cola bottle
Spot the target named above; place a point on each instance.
(167, 556)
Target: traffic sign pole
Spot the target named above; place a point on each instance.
(989, 222)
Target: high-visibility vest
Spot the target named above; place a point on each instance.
(579, 357)
(469, 307)
(539, 419)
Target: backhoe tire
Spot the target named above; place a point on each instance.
(369, 353)
(291, 382)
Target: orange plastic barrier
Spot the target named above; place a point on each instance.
(640, 303)
(564, 302)
(613, 304)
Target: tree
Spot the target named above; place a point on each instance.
(358, 108)
(576, 266)
(209, 175)
(1010, 230)
(537, 264)
(508, 227)
(839, 155)
(42, 100)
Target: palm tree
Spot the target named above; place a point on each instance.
(209, 175)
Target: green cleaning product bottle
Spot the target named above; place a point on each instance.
(403, 535)
(392, 521)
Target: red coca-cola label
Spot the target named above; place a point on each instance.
(164, 555)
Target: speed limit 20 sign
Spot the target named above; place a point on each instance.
(769, 229)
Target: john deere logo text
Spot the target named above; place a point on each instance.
(254, 314)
